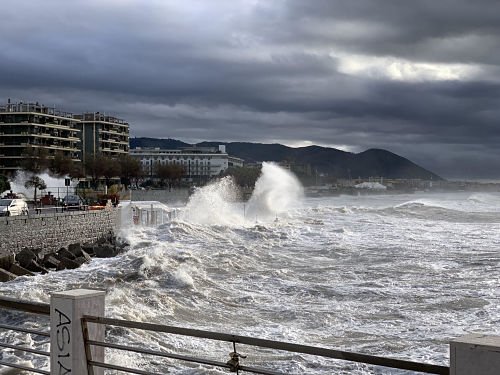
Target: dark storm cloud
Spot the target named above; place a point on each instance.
(418, 78)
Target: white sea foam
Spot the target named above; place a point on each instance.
(276, 191)
(378, 279)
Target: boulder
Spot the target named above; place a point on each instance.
(105, 251)
(51, 261)
(88, 247)
(38, 253)
(25, 257)
(35, 267)
(63, 253)
(6, 275)
(86, 256)
(66, 263)
(75, 249)
(81, 260)
(7, 260)
(20, 271)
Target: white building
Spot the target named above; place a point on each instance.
(200, 163)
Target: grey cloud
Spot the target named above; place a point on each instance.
(227, 70)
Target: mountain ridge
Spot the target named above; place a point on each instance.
(374, 162)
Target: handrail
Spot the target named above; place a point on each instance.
(26, 306)
(25, 349)
(25, 330)
(25, 368)
(304, 349)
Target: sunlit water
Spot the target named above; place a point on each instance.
(390, 275)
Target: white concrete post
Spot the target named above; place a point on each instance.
(475, 354)
(67, 352)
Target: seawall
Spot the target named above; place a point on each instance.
(164, 196)
(50, 232)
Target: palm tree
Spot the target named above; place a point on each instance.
(35, 182)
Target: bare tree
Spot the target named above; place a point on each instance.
(35, 182)
(35, 160)
(61, 165)
(95, 167)
(130, 168)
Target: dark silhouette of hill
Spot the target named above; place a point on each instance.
(342, 164)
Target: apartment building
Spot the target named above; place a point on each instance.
(200, 163)
(37, 126)
(100, 133)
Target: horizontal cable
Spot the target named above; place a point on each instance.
(178, 356)
(26, 330)
(158, 353)
(26, 306)
(24, 349)
(25, 368)
(304, 349)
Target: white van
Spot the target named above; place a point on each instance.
(13, 207)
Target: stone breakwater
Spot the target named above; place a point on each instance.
(27, 262)
(50, 232)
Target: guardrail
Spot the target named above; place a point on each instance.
(78, 341)
(234, 364)
(36, 308)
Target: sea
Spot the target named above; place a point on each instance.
(387, 275)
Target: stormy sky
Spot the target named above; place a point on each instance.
(418, 78)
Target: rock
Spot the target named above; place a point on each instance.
(66, 263)
(86, 256)
(75, 249)
(20, 271)
(81, 260)
(63, 253)
(88, 247)
(25, 257)
(7, 260)
(90, 250)
(50, 261)
(102, 241)
(38, 253)
(6, 275)
(35, 267)
(105, 251)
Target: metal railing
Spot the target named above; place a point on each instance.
(28, 307)
(234, 364)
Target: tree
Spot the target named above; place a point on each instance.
(95, 167)
(164, 171)
(169, 172)
(112, 169)
(35, 182)
(35, 160)
(61, 165)
(243, 176)
(130, 168)
(4, 184)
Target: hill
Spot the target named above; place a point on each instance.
(338, 163)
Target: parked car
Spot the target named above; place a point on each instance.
(13, 207)
(72, 201)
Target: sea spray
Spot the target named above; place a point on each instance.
(214, 204)
(217, 203)
(275, 191)
(54, 184)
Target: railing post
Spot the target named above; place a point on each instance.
(475, 354)
(67, 350)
